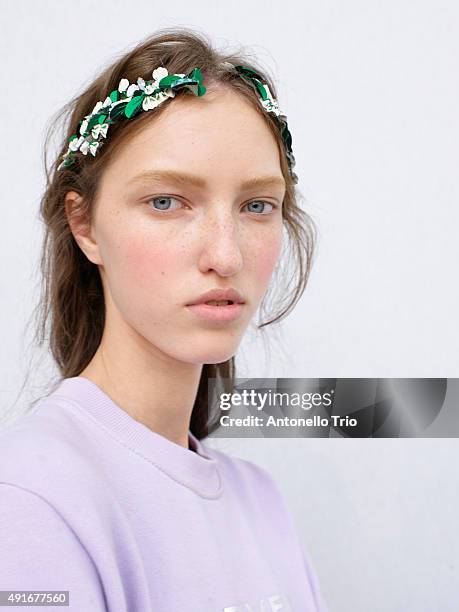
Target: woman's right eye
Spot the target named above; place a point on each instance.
(163, 202)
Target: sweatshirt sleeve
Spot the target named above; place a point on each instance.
(314, 581)
(40, 552)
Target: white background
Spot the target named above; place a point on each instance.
(370, 89)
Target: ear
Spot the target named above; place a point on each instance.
(80, 226)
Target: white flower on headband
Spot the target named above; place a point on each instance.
(125, 87)
(97, 108)
(93, 147)
(271, 104)
(76, 143)
(84, 125)
(86, 146)
(100, 129)
(157, 74)
(124, 84)
(151, 101)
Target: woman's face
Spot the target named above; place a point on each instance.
(160, 242)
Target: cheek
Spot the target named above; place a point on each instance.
(149, 261)
(147, 284)
(264, 254)
(141, 262)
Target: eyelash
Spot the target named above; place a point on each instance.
(275, 206)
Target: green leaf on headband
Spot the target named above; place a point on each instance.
(132, 105)
(261, 89)
(249, 72)
(196, 75)
(101, 118)
(117, 111)
(168, 80)
(91, 123)
(114, 95)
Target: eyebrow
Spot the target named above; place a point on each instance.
(181, 178)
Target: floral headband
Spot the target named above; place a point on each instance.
(132, 98)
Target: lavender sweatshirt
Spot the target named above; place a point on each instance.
(95, 503)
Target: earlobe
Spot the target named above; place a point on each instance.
(80, 226)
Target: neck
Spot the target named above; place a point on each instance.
(150, 386)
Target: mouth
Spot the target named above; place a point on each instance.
(218, 302)
(220, 311)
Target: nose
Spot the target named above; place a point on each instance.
(220, 247)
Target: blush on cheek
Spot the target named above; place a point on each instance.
(147, 261)
(266, 258)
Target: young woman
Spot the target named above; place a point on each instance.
(151, 211)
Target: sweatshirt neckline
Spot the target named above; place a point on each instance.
(191, 467)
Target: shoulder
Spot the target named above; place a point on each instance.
(35, 539)
(51, 429)
(49, 451)
(27, 516)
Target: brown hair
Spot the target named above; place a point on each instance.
(72, 300)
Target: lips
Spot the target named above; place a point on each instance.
(217, 314)
(219, 302)
(219, 295)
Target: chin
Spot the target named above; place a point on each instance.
(203, 346)
(211, 357)
(208, 354)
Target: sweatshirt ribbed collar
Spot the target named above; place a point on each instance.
(191, 467)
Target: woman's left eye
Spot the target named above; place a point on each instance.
(164, 206)
(258, 202)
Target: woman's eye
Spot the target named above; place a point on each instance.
(258, 204)
(163, 203)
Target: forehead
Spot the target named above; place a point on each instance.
(218, 133)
